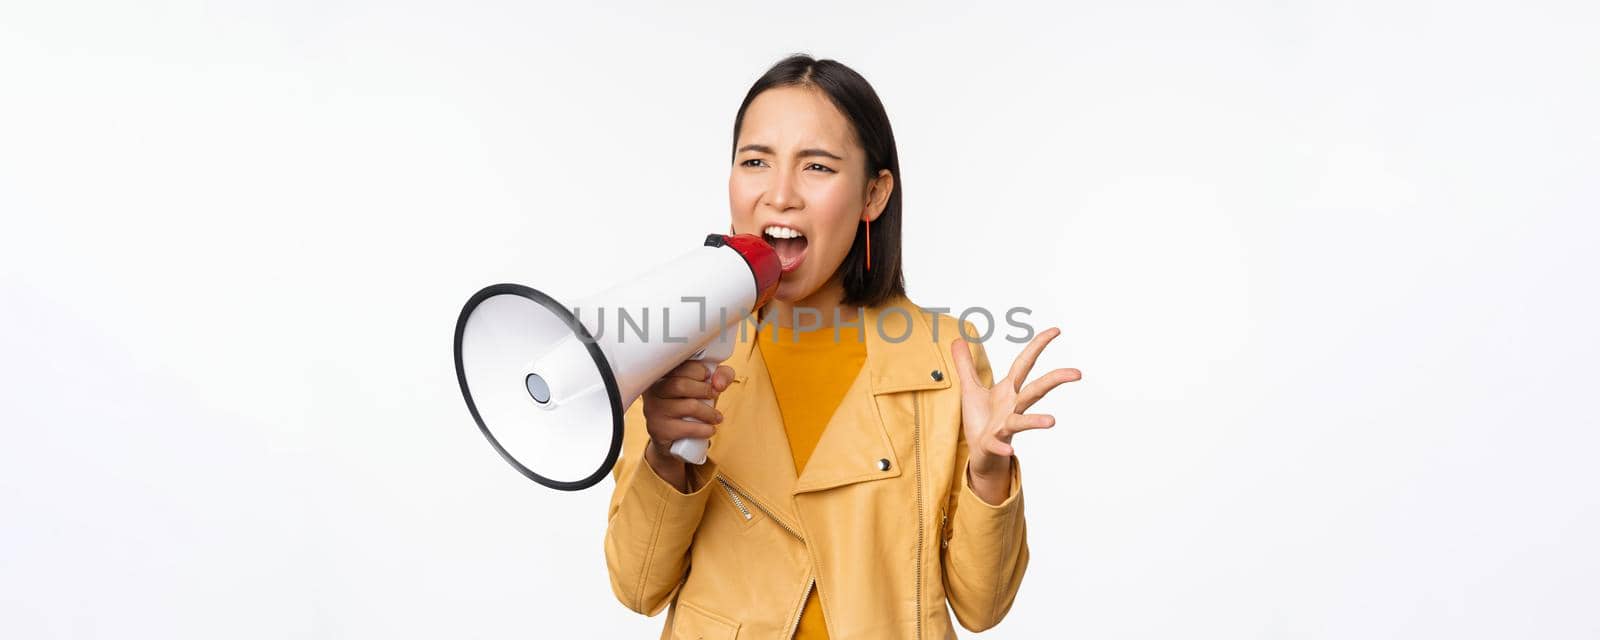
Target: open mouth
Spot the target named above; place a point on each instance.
(789, 244)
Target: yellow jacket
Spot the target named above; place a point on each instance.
(882, 517)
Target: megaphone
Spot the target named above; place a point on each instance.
(548, 383)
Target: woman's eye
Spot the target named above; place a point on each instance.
(753, 162)
(819, 167)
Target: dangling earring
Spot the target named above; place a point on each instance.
(869, 244)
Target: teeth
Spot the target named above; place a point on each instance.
(782, 232)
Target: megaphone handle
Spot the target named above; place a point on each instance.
(693, 450)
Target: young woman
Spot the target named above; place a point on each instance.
(861, 473)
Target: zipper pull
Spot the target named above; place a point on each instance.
(944, 540)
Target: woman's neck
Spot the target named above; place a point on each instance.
(818, 310)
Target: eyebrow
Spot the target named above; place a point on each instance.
(804, 153)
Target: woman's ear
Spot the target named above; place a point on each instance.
(878, 191)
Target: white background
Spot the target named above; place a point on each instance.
(1329, 271)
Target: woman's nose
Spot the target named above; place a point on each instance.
(782, 194)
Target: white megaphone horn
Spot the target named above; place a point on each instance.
(548, 384)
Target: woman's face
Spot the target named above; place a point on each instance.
(798, 171)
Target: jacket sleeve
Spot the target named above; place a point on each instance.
(985, 546)
(650, 524)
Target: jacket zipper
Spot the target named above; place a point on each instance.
(916, 445)
(737, 502)
(794, 625)
(737, 494)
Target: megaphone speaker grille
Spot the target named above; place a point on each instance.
(539, 387)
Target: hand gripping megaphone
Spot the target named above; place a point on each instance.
(548, 384)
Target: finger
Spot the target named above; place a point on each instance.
(963, 360)
(692, 408)
(995, 447)
(722, 378)
(669, 431)
(1024, 362)
(1017, 423)
(1034, 391)
(659, 409)
(675, 387)
(691, 369)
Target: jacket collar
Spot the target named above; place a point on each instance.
(893, 364)
(752, 449)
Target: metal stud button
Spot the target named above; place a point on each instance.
(883, 464)
(937, 375)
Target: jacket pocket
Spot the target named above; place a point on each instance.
(691, 622)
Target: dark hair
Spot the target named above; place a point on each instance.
(855, 98)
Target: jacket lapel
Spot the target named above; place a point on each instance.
(902, 355)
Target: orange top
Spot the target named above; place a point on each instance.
(810, 374)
